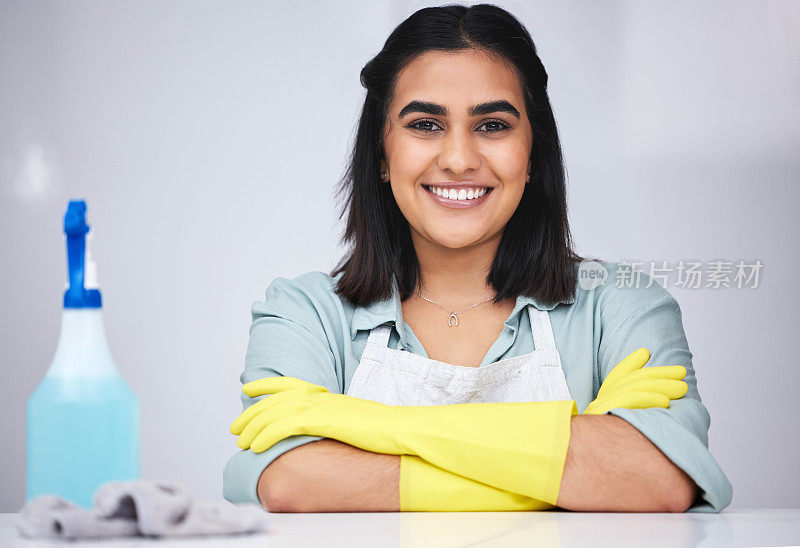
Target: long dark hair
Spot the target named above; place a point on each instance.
(535, 256)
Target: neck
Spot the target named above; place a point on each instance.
(455, 277)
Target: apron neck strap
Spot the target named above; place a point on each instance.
(541, 329)
(379, 335)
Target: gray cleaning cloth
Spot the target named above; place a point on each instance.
(137, 507)
(52, 517)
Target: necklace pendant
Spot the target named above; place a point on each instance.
(450, 319)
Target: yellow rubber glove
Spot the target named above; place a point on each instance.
(425, 487)
(629, 385)
(518, 447)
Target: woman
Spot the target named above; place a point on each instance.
(442, 365)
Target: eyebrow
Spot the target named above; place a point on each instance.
(500, 105)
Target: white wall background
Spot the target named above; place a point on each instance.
(206, 138)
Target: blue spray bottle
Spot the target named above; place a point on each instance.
(82, 422)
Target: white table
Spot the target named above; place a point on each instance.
(761, 527)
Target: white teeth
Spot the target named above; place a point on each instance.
(462, 194)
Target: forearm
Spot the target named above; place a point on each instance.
(281, 484)
(331, 476)
(612, 467)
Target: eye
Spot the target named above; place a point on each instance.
(499, 126)
(422, 125)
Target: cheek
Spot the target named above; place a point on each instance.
(405, 196)
(509, 160)
(410, 157)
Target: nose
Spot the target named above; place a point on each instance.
(458, 153)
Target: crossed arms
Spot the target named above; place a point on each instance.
(610, 467)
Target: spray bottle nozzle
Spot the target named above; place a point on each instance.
(75, 227)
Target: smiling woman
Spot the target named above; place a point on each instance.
(445, 359)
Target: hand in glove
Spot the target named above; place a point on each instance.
(629, 384)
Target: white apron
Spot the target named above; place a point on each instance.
(399, 377)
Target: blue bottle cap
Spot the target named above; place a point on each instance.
(75, 227)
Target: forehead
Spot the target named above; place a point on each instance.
(457, 79)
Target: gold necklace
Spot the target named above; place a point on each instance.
(453, 315)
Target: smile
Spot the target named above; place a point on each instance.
(458, 197)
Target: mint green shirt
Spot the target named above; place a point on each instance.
(303, 329)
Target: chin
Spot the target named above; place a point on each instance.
(455, 239)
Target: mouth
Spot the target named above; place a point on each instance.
(458, 197)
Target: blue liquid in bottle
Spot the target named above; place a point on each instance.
(82, 422)
(84, 432)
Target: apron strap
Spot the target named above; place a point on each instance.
(379, 335)
(541, 329)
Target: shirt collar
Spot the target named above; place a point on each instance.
(391, 310)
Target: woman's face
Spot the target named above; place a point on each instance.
(457, 121)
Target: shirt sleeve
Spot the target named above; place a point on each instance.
(286, 339)
(651, 318)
